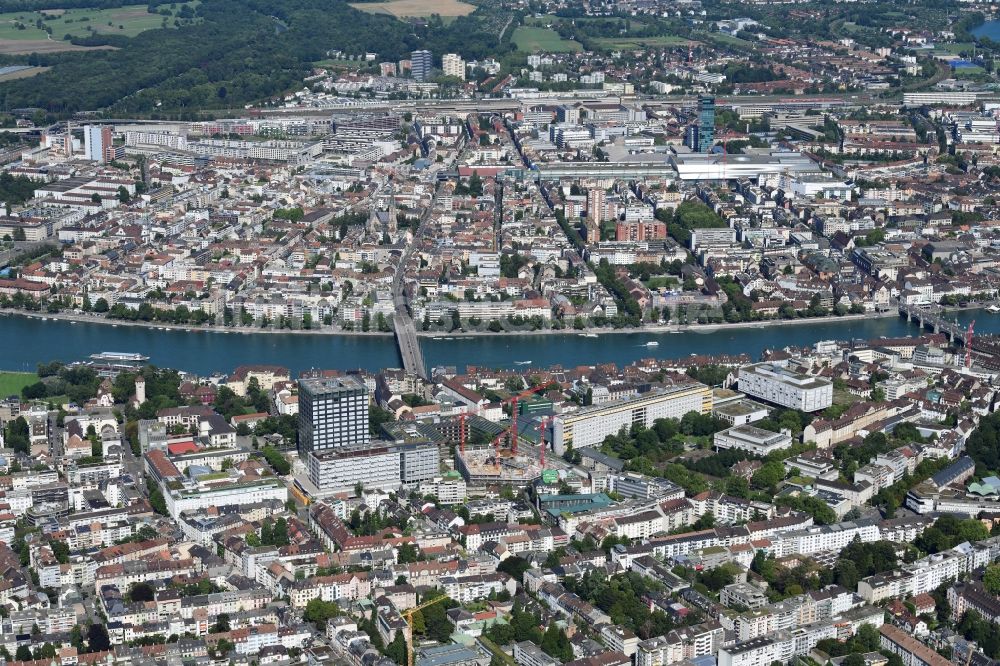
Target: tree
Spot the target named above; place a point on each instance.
(436, 620)
(23, 653)
(406, 553)
(18, 435)
(276, 460)
(768, 476)
(396, 650)
(35, 391)
(47, 651)
(556, 645)
(221, 624)
(717, 578)
(141, 592)
(97, 638)
(156, 498)
(319, 612)
(991, 579)
(515, 567)
(101, 305)
(475, 184)
(76, 637)
(845, 573)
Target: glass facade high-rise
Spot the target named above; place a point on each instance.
(333, 413)
(421, 64)
(706, 123)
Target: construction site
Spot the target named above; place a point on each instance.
(501, 462)
(486, 466)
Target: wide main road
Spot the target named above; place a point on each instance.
(402, 319)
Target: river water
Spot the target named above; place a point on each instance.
(989, 29)
(25, 342)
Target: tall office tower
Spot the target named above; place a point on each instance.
(691, 137)
(421, 64)
(453, 65)
(706, 123)
(96, 141)
(333, 413)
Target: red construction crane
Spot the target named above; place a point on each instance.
(461, 432)
(968, 344)
(542, 444)
(513, 411)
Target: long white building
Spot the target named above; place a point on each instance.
(781, 386)
(749, 438)
(383, 467)
(590, 425)
(716, 166)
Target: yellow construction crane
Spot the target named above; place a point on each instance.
(408, 616)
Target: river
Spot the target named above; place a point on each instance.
(27, 341)
(989, 29)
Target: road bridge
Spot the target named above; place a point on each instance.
(933, 318)
(409, 345)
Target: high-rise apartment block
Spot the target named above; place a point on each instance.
(595, 214)
(453, 65)
(96, 142)
(421, 64)
(333, 413)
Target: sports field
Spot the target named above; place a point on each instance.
(11, 383)
(532, 39)
(405, 8)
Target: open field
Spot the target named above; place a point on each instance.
(11, 383)
(543, 20)
(549, 19)
(640, 42)
(660, 281)
(337, 62)
(28, 32)
(727, 40)
(22, 46)
(404, 8)
(23, 73)
(956, 48)
(968, 72)
(531, 40)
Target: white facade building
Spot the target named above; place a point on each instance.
(453, 65)
(786, 388)
(755, 440)
(589, 426)
(381, 467)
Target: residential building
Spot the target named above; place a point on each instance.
(453, 65)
